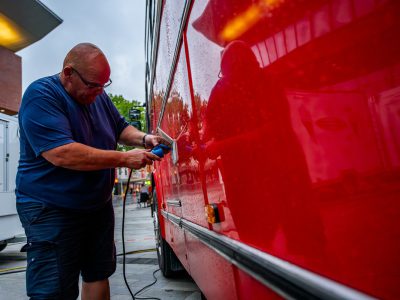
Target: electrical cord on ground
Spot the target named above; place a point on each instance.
(123, 235)
(139, 251)
(12, 270)
(147, 286)
(123, 251)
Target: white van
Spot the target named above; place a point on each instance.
(10, 225)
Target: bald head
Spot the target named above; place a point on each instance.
(84, 63)
(83, 55)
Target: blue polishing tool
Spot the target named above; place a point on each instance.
(160, 149)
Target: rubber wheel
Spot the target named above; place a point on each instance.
(169, 264)
(3, 246)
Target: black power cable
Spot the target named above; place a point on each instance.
(147, 286)
(123, 251)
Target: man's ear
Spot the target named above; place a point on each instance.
(67, 71)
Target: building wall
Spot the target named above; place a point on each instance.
(10, 81)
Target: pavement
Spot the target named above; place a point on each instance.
(141, 262)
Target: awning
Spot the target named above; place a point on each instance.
(24, 22)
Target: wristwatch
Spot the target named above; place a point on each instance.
(144, 140)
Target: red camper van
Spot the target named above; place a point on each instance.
(284, 119)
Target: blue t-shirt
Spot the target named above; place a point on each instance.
(49, 118)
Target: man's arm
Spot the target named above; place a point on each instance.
(131, 136)
(77, 156)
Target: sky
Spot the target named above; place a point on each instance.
(116, 26)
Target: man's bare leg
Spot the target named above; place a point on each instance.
(97, 290)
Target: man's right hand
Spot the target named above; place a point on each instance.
(138, 158)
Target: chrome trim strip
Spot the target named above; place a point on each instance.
(178, 44)
(174, 219)
(286, 279)
(176, 203)
(154, 58)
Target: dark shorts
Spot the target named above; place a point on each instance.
(61, 244)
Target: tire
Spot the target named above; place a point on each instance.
(3, 246)
(169, 264)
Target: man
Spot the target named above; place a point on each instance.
(144, 195)
(69, 132)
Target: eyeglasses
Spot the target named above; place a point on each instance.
(92, 85)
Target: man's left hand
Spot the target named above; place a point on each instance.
(150, 141)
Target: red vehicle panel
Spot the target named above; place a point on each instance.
(285, 116)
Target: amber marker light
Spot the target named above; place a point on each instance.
(244, 21)
(211, 212)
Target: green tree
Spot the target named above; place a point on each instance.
(123, 105)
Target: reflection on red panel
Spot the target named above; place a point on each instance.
(156, 103)
(299, 133)
(184, 171)
(336, 127)
(385, 110)
(169, 28)
(178, 109)
(293, 130)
